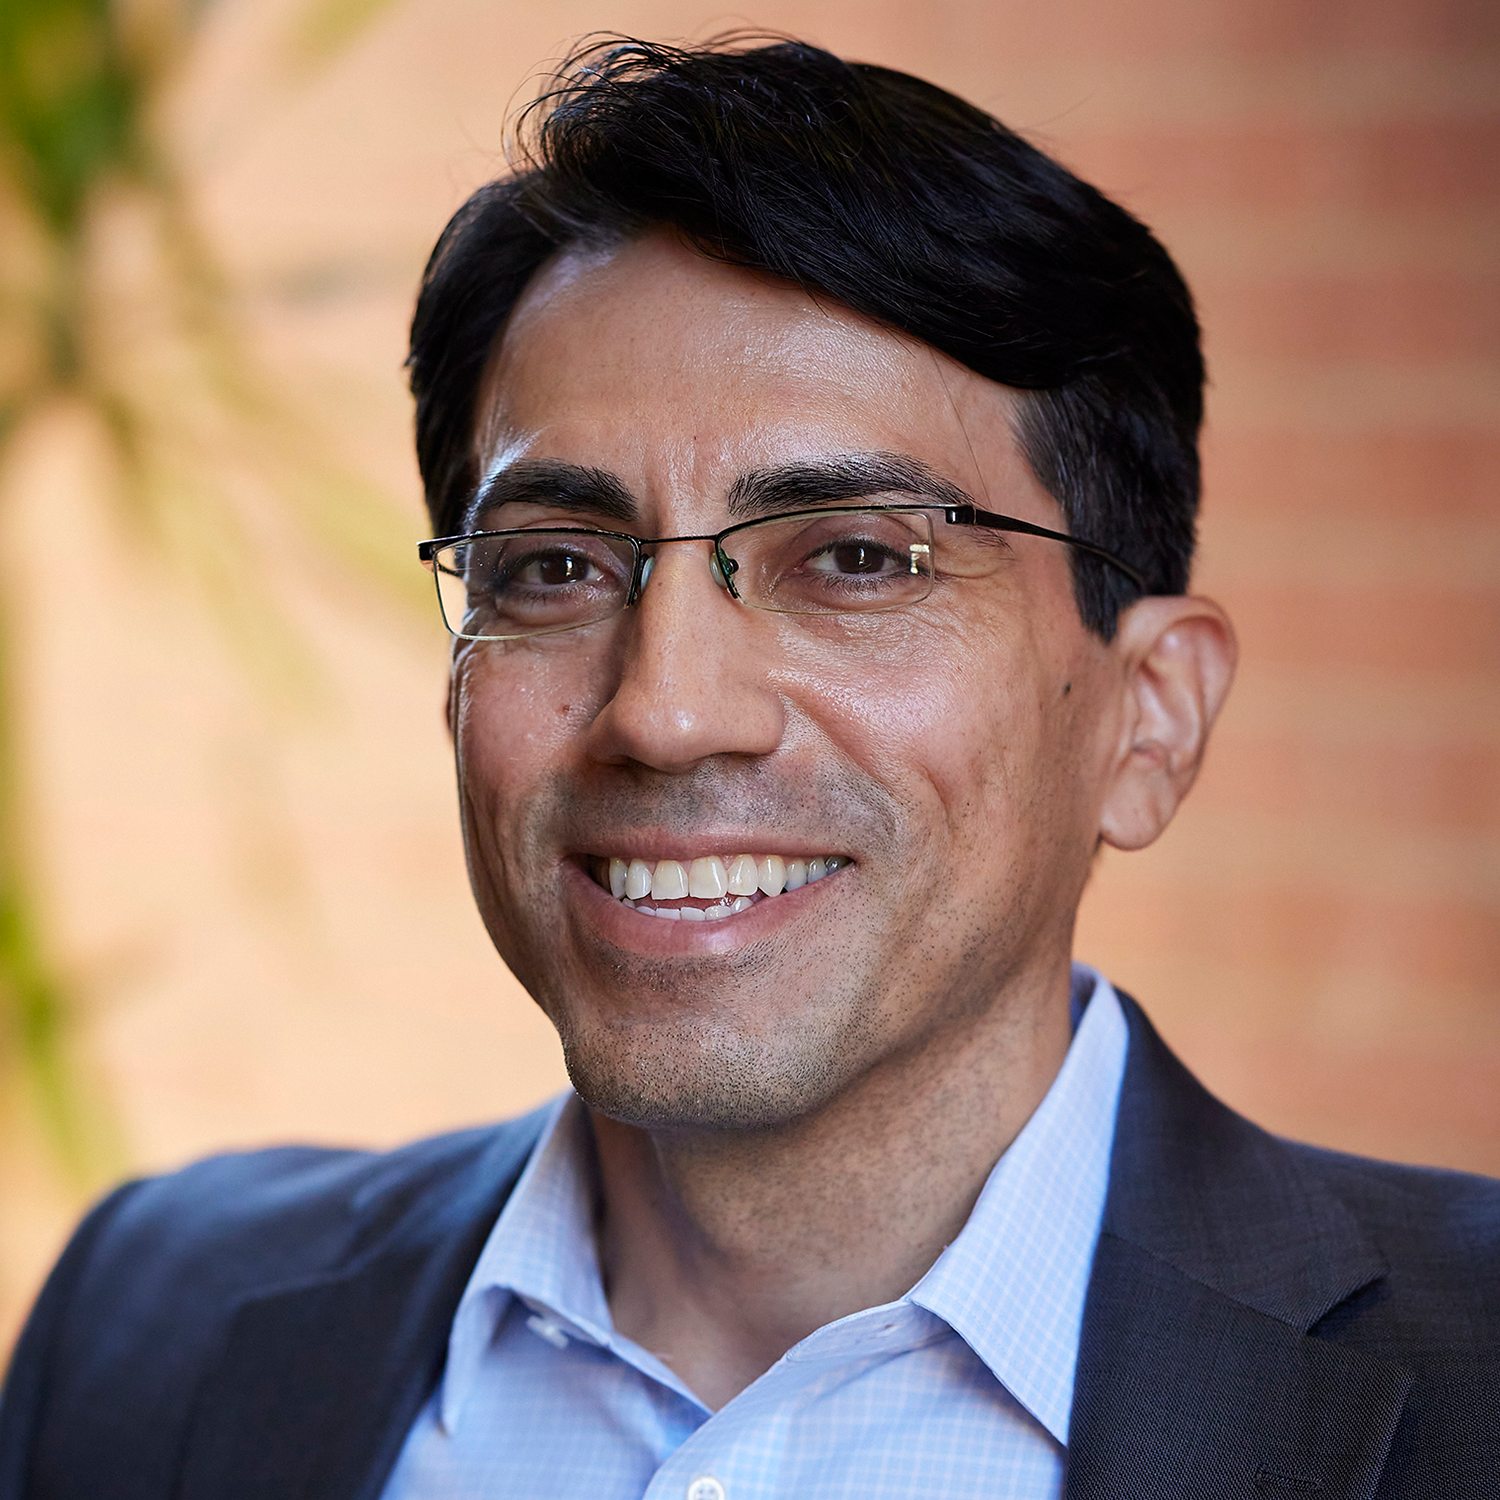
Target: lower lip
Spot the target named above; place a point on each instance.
(644, 933)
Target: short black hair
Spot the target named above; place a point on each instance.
(886, 194)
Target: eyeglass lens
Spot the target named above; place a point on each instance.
(513, 584)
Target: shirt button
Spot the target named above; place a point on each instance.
(705, 1488)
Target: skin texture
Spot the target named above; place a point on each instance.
(796, 1107)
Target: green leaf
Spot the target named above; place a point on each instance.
(70, 104)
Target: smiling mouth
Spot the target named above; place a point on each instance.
(709, 888)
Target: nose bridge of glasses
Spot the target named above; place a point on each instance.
(645, 561)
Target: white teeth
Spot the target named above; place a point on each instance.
(735, 878)
(707, 879)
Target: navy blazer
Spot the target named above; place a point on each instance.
(1264, 1319)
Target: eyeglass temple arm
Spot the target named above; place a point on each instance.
(971, 515)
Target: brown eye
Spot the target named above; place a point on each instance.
(858, 557)
(834, 561)
(557, 568)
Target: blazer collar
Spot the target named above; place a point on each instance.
(1219, 1251)
(320, 1379)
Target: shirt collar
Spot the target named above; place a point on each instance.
(542, 1250)
(1012, 1285)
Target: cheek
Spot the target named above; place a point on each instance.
(511, 728)
(968, 734)
(958, 751)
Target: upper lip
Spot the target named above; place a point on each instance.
(652, 849)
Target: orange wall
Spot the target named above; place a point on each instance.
(263, 904)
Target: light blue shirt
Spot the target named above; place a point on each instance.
(961, 1387)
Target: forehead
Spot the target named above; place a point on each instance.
(677, 362)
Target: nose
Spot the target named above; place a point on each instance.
(694, 675)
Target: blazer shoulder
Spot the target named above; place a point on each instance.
(1434, 1225)
(282, 1214)
(1457, 1197)
(1290, 1229)
(154, 1277)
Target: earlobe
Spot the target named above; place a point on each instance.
(1177, 657)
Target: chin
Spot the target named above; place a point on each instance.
(706, 1078)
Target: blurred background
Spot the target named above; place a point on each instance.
(233, 908)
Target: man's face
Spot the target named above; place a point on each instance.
(953, 753)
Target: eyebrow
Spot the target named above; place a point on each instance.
(851, 476)
(547, 481)
(585, 491)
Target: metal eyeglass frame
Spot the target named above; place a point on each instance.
(726, 566)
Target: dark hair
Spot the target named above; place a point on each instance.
(880, 191)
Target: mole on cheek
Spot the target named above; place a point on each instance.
(562, 709)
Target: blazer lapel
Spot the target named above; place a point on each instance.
(1183, 1391)
(1220, 1250)
(319, 1381)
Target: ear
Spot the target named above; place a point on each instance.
(450, 703)
(1177, 658)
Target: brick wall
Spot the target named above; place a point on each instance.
(1321, 936)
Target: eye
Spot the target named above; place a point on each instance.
(834, 562)
(555, 568)
(530, 571)
(854, 556)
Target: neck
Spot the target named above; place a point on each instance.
(721, 1250)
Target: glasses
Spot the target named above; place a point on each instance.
(838, 560)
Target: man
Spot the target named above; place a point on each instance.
(812, 470)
